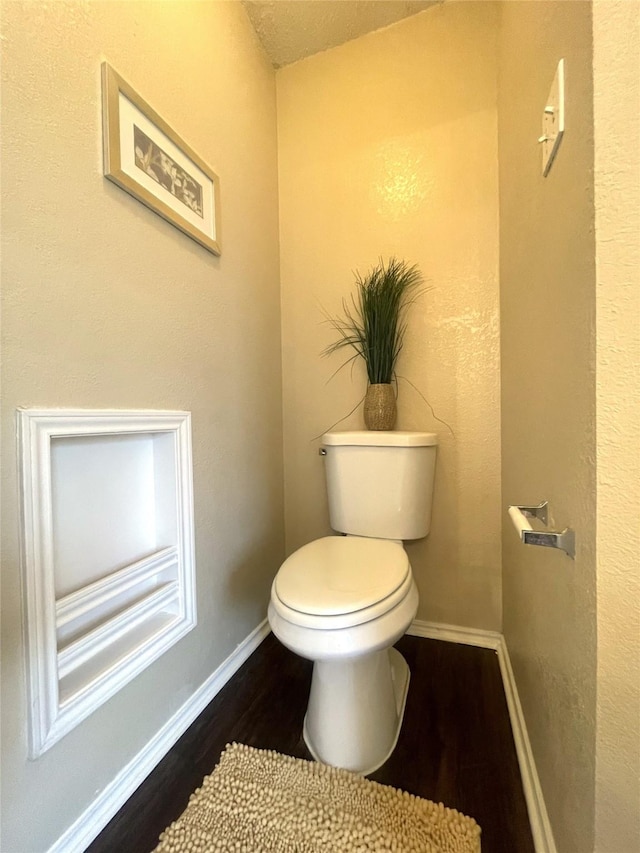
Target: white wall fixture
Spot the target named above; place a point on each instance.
(108, 554)
(553, 120)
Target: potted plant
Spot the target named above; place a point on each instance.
(373, 325)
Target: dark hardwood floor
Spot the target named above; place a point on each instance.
(455, 746)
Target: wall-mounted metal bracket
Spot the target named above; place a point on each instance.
(565, 540)
(539, 511)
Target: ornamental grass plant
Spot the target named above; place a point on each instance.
(373, 322)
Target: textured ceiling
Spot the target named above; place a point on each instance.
(292, 29)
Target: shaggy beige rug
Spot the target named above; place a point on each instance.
(258, 801)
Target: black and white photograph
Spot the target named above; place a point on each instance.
(155, 162)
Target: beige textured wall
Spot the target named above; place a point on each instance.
(388, 146)
(547, 313)
(106, 305)
(616, 39)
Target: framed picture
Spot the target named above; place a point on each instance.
(148, 159)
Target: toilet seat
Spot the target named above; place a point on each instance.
(337, 582)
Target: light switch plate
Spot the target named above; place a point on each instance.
(553, 120)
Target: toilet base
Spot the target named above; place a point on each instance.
(355, 711)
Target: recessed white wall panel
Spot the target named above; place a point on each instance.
(165, 489)
(103, 503)
(107, 513)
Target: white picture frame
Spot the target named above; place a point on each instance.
(147, 158)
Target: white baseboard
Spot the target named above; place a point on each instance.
(81, 833)
(455, 634)
(107, 804)
(538, 817)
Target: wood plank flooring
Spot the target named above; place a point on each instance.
(455, 746)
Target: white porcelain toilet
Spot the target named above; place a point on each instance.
(343, 601)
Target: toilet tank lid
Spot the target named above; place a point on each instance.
(381, 438)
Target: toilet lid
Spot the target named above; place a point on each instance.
(341, 574)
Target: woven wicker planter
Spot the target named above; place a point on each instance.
(380, 407)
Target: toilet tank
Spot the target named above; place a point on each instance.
(380, 484)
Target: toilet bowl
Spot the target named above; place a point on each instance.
(342, 602)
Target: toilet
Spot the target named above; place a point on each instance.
(343, 601)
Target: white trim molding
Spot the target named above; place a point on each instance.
(81, 833)
(91, 628)
(110, 800)
(455, 634)
(538, 817)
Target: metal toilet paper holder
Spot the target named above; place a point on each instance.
(565, 540)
